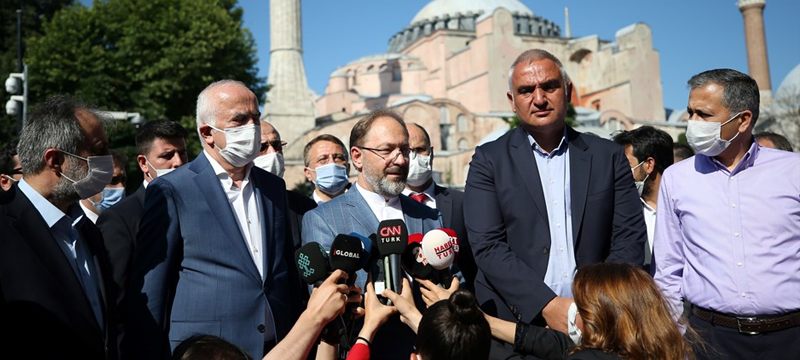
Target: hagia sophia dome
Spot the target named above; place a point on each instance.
(443, 8)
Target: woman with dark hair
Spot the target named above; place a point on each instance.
(454, 329)
(623, 316)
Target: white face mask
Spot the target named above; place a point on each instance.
(272, 162)
(159, 172)
(639, 184)
(241, 144)
(420, 169)
(704, 136)
(101, 170)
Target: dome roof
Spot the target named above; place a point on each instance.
(790, 86)
(441, 8)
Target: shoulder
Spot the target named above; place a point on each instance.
(596, 143)
(498, 145)
(299, 203)
(778, 157)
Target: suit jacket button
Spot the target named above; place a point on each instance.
(261, 328)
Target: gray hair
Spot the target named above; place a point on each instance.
(52, 124)
(740, 91)
(206, 110)
(536, 55)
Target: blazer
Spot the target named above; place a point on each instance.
(192, 272)
(506, 218)
(119, 225)
(44, 312)
(450, 203)
(299, 205)
(348, 213)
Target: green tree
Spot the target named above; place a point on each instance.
(34, 14)
(147, 56)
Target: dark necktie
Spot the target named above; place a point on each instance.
(419, 197)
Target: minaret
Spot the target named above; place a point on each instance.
(753, 13)
(567, 27)
(289, 105)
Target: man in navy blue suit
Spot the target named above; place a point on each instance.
(212, 254)
(544, 199)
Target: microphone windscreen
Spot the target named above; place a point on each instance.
(415, 238)
(453, 236)
(367, 248)
(439, 249)
(346, 253)
(413, 262)
(312, 263)
(392, 237)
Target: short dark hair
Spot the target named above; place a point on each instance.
(646, 142)
(208, 347)
(361, 128)
(781, 143)
(740, 91)
(454, 329)
(681, 151)
(6, 157)
(163, 129)
(323, 137)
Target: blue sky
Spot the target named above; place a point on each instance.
(690, 35)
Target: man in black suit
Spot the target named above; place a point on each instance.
(421, 187)
(56, 293)
(160, 148)
(544, 199)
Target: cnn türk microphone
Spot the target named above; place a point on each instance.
(346, 254)
(312, 263)
(392, 239)
(439, 248)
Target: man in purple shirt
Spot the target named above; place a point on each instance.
(727, 235)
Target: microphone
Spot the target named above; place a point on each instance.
(392, 239)
(312, 263)
(439, 248)
(346, 254)
(414, 263)
(367, 250)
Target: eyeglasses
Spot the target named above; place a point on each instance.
(386, 154)
(276, 144)
(17, 171)
(337, 158)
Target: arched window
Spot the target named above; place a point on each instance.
(462, 123)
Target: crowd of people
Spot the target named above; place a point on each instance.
(570, 246)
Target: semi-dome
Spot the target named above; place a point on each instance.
(442, 8)
(790, 86)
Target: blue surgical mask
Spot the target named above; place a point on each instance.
(111, 196)
(331, 178)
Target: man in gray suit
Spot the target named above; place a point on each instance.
(379, 151)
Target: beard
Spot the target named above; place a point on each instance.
(64, 192)
(382, 185)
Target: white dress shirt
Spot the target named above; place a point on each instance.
(246, 210)
(89, 213)
(384, 209)
(650, 221)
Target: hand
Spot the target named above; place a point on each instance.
(375, 313)
(328, 300)
(555, 313)
(431, 293)
(404, 302)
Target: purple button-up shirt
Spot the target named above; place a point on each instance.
(730, 240)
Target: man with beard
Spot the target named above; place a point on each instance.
(56, 297)
(379, 150)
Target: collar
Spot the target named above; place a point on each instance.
(49, 212)
(747, 161)
(220, 171)
(430, 190)
(647, 206)
(374, 198)
(562, 145)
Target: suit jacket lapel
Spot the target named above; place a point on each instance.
(360, 210)
(580, 166)
(209, 185)
(268, 230)
(523, 159)
(35, 231)
(445, 206)
(92, 236)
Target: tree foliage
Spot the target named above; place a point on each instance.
(34, 14)
(147, 56)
